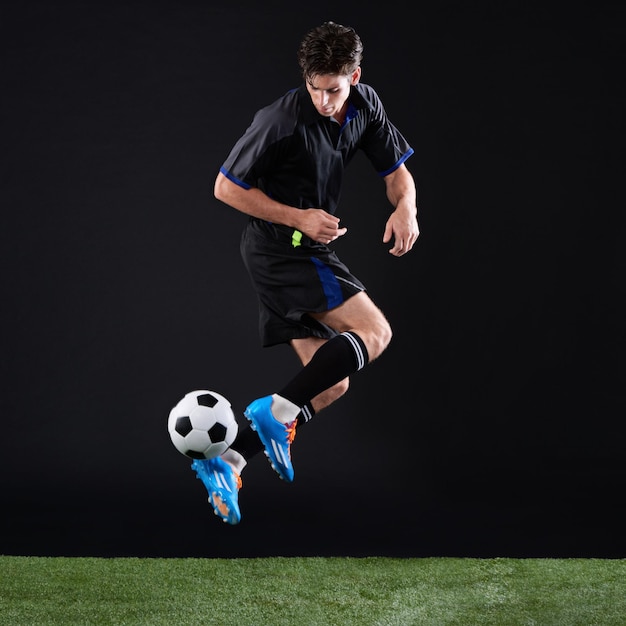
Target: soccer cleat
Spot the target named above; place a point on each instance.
(275, 436)
(223, 484)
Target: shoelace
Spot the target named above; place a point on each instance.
(291, 431)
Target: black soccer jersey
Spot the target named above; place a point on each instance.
(297, 156)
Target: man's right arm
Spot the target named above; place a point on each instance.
(315, 223)
(252, 202)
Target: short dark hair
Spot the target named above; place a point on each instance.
(330, 49)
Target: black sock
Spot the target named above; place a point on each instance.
(247, 442)
(339, 357)
(335, 360)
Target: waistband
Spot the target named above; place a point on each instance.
(291, 235)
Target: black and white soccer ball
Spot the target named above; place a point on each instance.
(202, 425)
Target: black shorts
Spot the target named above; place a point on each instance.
(292, 281)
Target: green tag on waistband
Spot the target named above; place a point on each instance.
(296, 238)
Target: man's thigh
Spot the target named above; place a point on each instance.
(356, 312)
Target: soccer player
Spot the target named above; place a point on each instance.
(285, 173)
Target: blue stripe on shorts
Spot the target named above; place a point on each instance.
(330, 284)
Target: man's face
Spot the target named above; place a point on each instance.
(329, 92)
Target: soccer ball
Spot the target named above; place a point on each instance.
(202, 425)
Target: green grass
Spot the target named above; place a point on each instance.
(40, 591)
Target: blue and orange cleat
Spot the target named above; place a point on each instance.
(223, 484)
(275, 436)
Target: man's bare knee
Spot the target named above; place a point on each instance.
(377, 337)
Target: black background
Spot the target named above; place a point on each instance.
(493, 424)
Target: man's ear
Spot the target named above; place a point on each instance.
(356, 76)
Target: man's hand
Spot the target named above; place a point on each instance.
(319, 225)
(402, 226)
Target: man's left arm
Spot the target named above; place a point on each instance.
(402, 223)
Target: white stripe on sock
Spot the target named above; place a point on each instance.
(358, 352)
(306, 413)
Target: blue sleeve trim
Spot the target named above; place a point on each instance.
(397, 164)
(234, 179)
